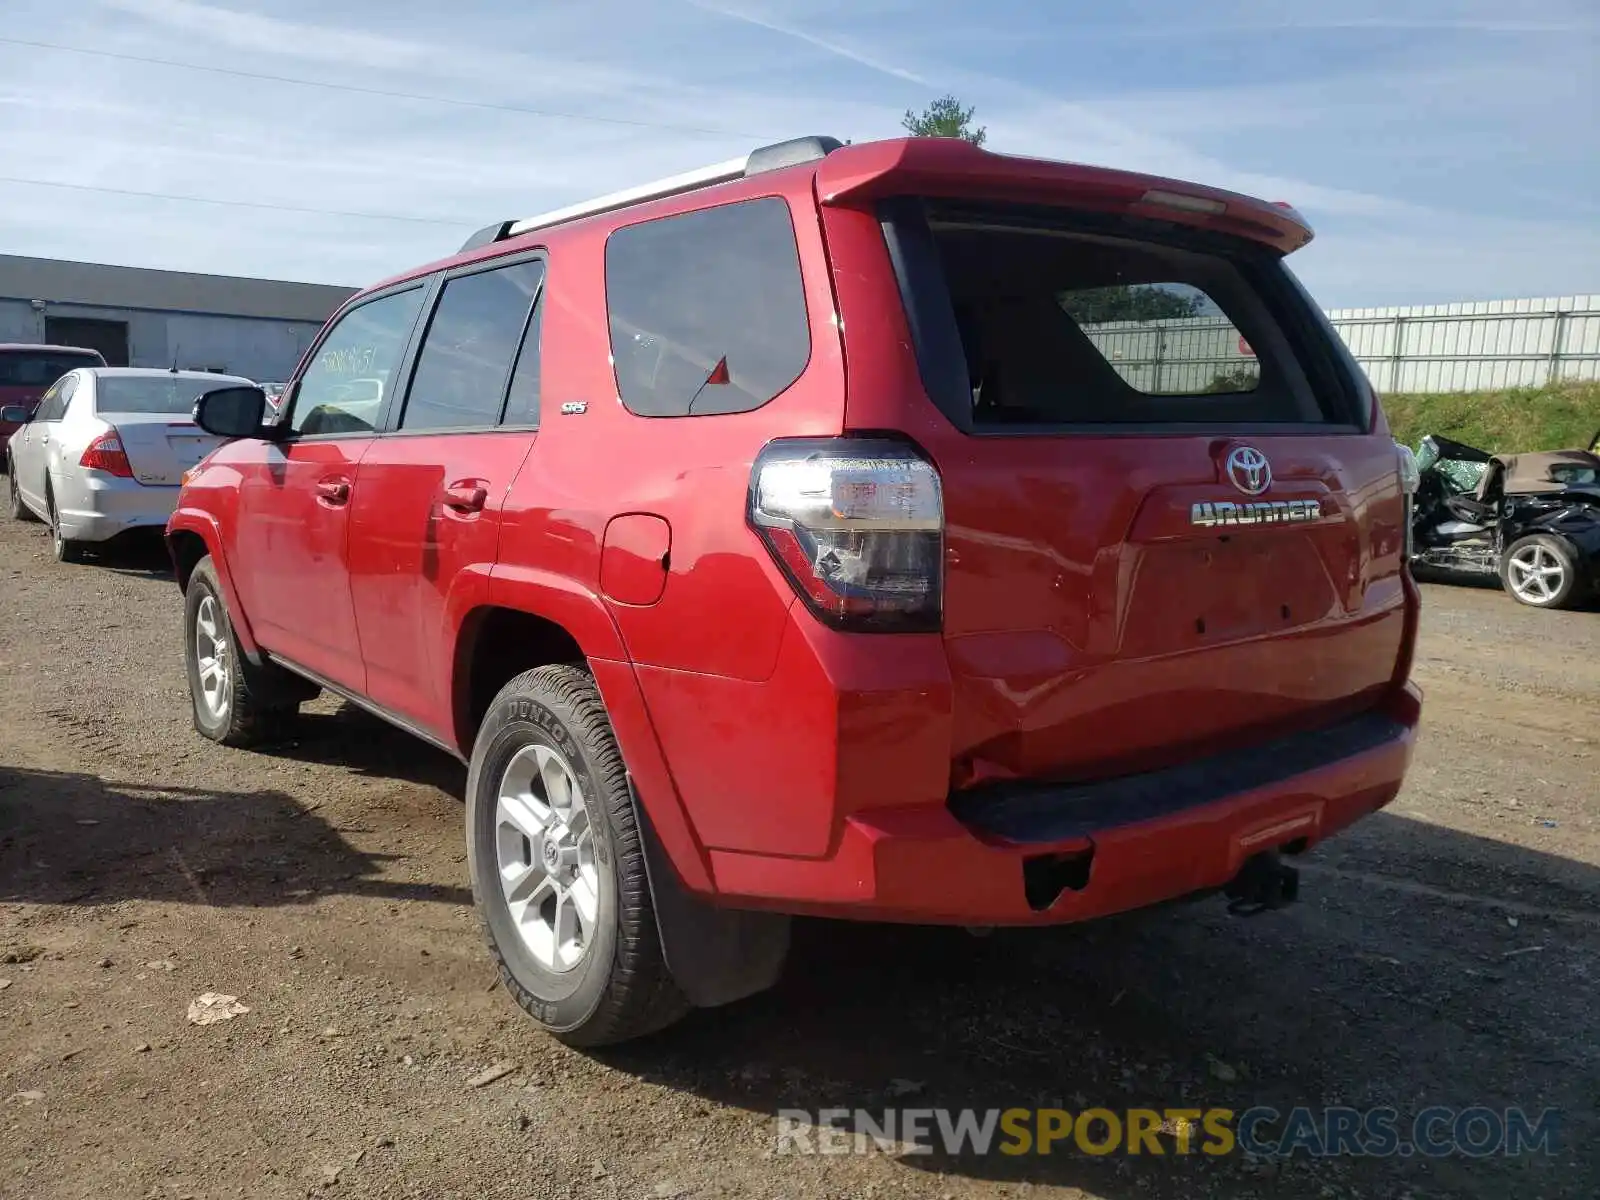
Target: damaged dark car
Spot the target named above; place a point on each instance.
(1532, 520)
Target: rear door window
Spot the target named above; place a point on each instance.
(707, 310)
(467, 355)
(1060, 321)
(522, 400)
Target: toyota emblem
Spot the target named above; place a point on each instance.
(1249, 469)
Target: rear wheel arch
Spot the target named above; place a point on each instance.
(494, 645)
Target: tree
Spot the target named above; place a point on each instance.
(1096, 306)
(945, 118)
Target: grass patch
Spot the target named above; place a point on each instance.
(1562, 416)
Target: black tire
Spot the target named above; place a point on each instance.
(1567, 592)
(621, 988)
(18, 509)
(65, 549)
(261, 698)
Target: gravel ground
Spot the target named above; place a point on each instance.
(1446, 952)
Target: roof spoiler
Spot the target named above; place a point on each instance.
(775, 157)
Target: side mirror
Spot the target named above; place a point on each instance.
(16, 414)
(231, 412)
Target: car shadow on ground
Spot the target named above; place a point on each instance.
(69, 838)
(140, 552)
(1400, 980)
(353, 739)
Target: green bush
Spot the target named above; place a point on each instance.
(1558, 417)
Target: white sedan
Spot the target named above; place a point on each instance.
(105, 451)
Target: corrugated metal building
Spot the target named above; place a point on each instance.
(257, 328)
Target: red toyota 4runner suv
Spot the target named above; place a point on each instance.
(898, 531)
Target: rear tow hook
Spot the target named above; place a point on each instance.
(1264, 882)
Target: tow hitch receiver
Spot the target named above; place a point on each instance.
(1264, 882)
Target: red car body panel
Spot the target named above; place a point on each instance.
(288, 548)
(423, 536)
(1090, 631)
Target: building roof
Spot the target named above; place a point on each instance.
(99, 285)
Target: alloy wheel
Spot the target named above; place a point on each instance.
(212, 664)
(544, 843)
(1536, 575)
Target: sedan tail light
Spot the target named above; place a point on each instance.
(857, 526)
(106, 454)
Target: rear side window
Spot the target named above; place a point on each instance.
(1060, 320)
(522, 401)
(707, 310)
(467, 355)
(53, 405)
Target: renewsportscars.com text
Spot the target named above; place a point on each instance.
(1437, 1132)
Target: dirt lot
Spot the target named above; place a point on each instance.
(1447, 952)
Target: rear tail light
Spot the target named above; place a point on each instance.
(857, 525)
(106, 454)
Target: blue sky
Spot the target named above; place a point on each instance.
(1443, 149)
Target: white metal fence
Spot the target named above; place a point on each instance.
(1475, 345)
(1463, 347)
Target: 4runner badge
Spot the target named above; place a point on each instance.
(1209, 513)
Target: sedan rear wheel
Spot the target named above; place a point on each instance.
(64, 548)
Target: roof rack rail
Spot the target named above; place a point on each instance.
(764, 158)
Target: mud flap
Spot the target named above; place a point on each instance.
(716, 955)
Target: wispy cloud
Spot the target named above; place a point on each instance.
(831, 46)
(264, 35)
(1438, 145)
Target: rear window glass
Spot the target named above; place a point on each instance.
(1065, 326)
(1164, 339)
(150, 394)
(707, 310)
(35, 368)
